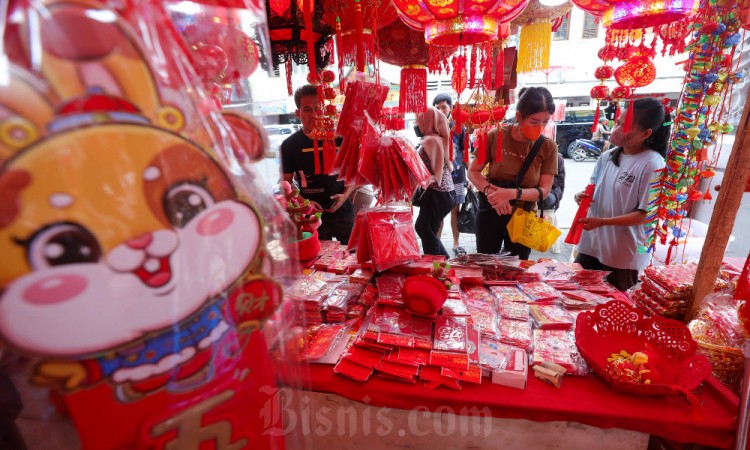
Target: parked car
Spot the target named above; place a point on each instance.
(577, 125)
(276, 135)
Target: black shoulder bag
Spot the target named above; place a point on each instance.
(484, 204)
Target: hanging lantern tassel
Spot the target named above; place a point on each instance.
(329, 156)
(482, 147)
(413, 95)
(628, 119)
(597, 114)
(617, 111)
(533, 50)
(358, 36)
(340, 50)
(672, 246)
(288, 67)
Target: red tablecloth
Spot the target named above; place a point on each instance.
(586, 400)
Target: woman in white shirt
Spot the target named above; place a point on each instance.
(615, 229)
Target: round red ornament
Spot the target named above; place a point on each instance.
(600, 92)
(604, 72)
(636, 72)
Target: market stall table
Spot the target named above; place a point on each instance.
(587, 400)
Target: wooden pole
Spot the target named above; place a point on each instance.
(724, 214)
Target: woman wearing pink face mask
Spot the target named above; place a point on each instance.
(500, 190)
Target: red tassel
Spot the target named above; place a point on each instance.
(482, 147)
(358, 36)
(458, 117)
(617, 111)
(628, 119)
(307, 6)
(597, 114)
(413, 95)
(329, 156)
(672, 246)
(316, 157)
(288, 67)
(499, 150)
(467, 147)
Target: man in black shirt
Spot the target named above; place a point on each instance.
(325, 192)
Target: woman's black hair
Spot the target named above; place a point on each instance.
(649, 114)
(534, 100)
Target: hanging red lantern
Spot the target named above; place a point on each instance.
(404, 47)
(346, 15)
(636, 72)
(638, 14)
(454, 23)
(286, 28)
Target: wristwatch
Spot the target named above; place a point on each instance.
(519, 193)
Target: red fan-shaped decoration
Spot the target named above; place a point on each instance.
(617, 326)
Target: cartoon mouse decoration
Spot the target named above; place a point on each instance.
(132, 260)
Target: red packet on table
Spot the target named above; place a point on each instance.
(454, 307)
(472, 375)
(363, 356)
(564, 285)
(395, 327)
(321, 338)
(369, 296)
(433, 378)
(555, 271)
(469, 275)
(354, 311)
(516, 333)
(583, 295)
(515, 372)
(510, 294)
(540, 292)
(422, 329)
(486, 321)
(449, 347)
(362, 276)
(551, 317)
(307, 289)
(392, 237)
(390, 289)
(554, 345)
(352, 370)
(401, 371)
(413, 356)
(658, 291)
(513, 310)
(493, 355)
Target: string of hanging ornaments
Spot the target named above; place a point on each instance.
(356, 23)
(536, 22)
(627, 41)
(700, 122)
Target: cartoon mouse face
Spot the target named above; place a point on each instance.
(109, 222)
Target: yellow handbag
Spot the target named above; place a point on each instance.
(526, 228)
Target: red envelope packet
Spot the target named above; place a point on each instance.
(539, 291)
(514, 310)
(434, 378)
(399, 370)
(422, 329)
(516, 333)
(450, 334)
(554, 345)
(551, 317)
(352, 370)
(363, 356)
(395, 327)
(414, 356)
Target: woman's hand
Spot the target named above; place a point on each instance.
(579, 197)
(500, 199)
(591, 223)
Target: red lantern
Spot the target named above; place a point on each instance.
(600, 92)
(636, 72)
(621, 93)
(638, 14)
(286, 28)
(347, 15)
(454, 22)
(404, 47)
(604, 72)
